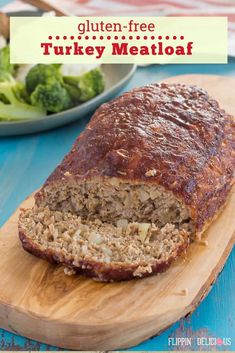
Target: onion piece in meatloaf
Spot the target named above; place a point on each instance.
(151, 171)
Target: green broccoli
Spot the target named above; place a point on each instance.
(48, 89)
(5, 65)
(42, 74)
(5, 76)
(21, 93)
(11, 108)
(52, 96)
(74, 93)
(88, 85)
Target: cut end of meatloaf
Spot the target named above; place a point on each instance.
(100, 250)
(112, 199)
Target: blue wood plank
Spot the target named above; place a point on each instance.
(26, 161)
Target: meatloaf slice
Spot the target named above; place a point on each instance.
(101, 250)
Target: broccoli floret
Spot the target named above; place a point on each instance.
(11, 108)
(74, 93)
(21, 93)
(5, 65)
(42, 74)
(18, 88)
(44, 84)
(89, 85)
(48, 89)
(5, 76)
(53, 97)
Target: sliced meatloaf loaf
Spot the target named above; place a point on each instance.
(160, 160)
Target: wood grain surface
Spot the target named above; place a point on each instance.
(38, 301)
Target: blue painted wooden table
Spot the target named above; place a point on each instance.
(26, 161)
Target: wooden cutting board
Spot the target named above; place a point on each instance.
(38, 301)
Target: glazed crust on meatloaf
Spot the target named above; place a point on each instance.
(177, 131)
(100, 271)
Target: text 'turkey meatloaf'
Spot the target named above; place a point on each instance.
(158, 155)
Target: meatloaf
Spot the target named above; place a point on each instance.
(149, 173)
